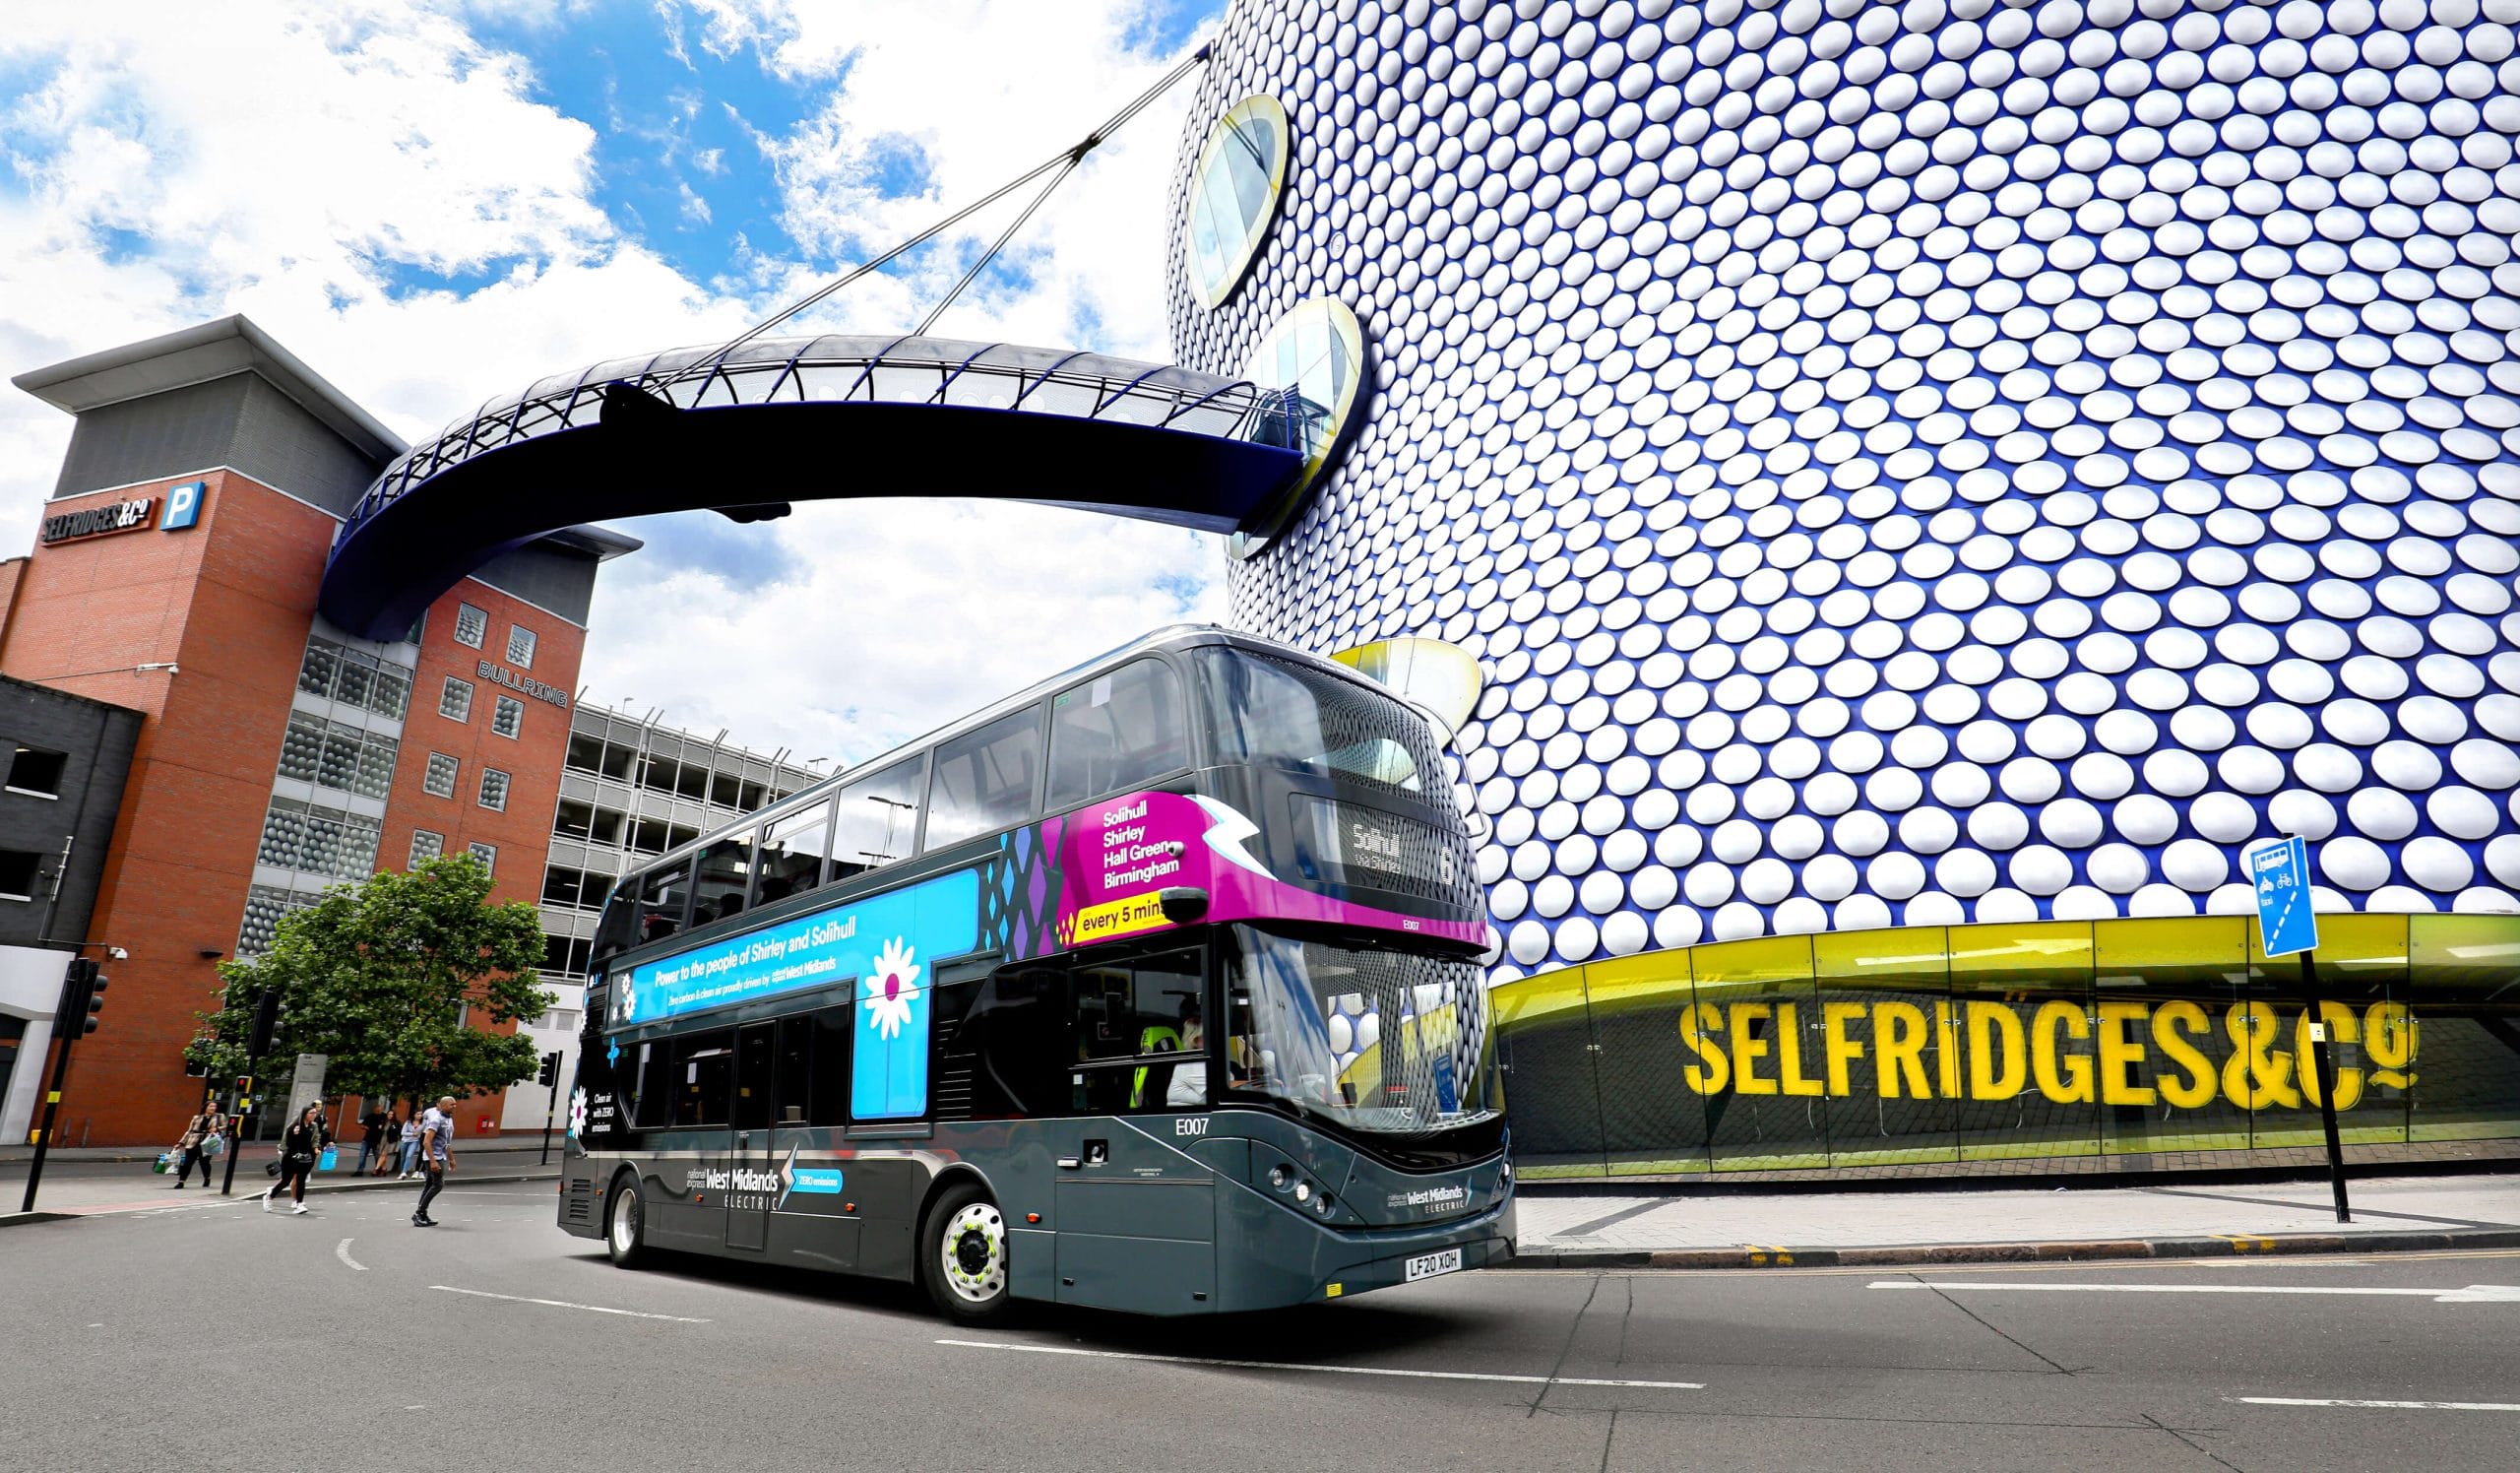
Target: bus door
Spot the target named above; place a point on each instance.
(1136, 1209)
(811, 1219)
(752, 1172)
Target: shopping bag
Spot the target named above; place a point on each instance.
(330, 1159)
(164, 1159)
(215, 1147)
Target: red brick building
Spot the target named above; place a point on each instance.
(175, 573)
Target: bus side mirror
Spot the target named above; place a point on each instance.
(1183, 905)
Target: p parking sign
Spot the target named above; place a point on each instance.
(183, 506)
(2281, 875)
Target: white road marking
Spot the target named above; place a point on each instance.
(562, 1304)
(1469, 1375)
(341, 1250)
(2473, 1294)
(2409, 1406)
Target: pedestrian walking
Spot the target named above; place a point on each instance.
(204, 1137)
(437, 1135)
(371, 1139)
(304, 1141)
(393, 1152)
(411, 1142)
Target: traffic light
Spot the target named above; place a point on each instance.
(80, 985)
(550, 1069)
(266, 1023)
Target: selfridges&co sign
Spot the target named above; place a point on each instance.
(97, 521)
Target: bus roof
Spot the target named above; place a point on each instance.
(1168, 637)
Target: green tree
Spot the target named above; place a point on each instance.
(391, 978)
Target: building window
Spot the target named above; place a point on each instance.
(520, 647)
(355, 678)
(18, 870)
(440, 780)
(568, 956)
(1233, 194)
(507, 718)
(454, 702)
(488, 855)
(425, 846)
(317, 840)
(316, 750)
(37, 771)
(494, 788)
(264, 905)
(472, 626)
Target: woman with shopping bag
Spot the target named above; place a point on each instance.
(305, 1141)
(204, 1137)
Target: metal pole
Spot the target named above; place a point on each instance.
(51, 1107)
(548, 1111)
(237, 1131)
(2324, 1063)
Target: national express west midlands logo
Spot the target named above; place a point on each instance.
(748, 1189)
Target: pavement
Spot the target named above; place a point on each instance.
(97, 1180)
(1744, 1230)
(188, 1336)
(1665, 1230)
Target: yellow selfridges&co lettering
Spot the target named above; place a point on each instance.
(2118, 1052)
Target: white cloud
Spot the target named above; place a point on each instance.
(898, 615)
(981, 91)
(166, 163)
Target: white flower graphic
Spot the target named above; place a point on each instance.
(577, 1112)
(889, 986)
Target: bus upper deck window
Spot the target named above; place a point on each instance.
(618, 929)
(1265, 710)
(1116, 731)
(792, 853)
(984, 778)
(726, 877)
(877, 821)
(664, 902)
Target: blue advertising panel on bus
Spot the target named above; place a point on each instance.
(887, 941)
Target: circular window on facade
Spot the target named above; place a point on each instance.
(1312, 366)
(1235, 193)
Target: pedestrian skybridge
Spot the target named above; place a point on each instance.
(781, 419)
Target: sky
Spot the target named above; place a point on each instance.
(434, 203)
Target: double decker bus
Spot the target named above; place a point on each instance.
(1153, 987)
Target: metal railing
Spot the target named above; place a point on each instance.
(863, 370)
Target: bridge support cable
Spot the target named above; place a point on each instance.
(1063, 163)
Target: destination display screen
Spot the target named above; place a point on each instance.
(1349, 844)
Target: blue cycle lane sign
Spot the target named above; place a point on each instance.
(2281, 875)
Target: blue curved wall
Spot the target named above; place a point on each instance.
(1916, 463)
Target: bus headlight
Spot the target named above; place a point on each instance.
(1304, 1191)
(1323, 1203)
(1282, 1176)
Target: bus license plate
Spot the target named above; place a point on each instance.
(1428, 1265)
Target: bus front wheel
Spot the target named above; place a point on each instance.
(963, 1256)
(625, 1224)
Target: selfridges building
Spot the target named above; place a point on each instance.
(1961, 469)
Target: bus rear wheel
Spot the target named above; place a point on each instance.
(625, 1224)
(962, 1254)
